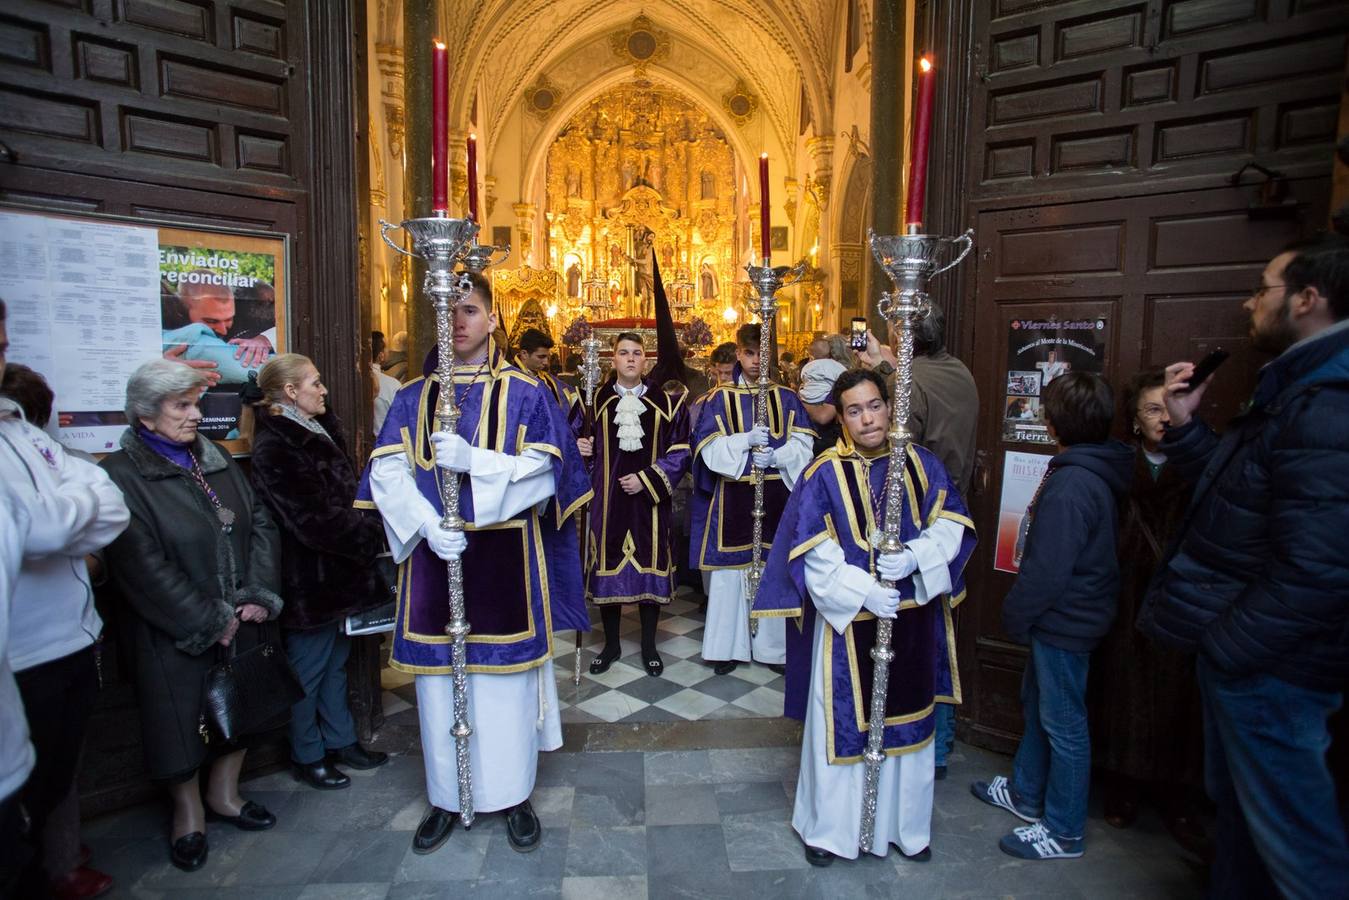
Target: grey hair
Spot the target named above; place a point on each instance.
(929, 334)
(153, 383)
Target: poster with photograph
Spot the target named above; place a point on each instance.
(1021, 474)
(221, 311)
(92, 299)
(1038, 351)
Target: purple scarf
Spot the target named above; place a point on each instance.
(174, 452)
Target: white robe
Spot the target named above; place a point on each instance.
(726, 631)
(828, 809)
(515, 715)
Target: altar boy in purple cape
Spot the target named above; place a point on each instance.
(523, 480)
(824, 574)
(721, 536)
(640, 451)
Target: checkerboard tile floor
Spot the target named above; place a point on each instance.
(687, 690)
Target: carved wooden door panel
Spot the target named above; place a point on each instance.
(1104, 137)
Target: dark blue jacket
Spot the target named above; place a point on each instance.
(1068, 587)
(1258, 577)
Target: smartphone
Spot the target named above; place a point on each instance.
(1206, 367)
(858, 338)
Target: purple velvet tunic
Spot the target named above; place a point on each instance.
(628, 556)
(837, 499)
(522, 577)
(721, 534)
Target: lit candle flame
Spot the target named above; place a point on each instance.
(440, 45)
(925, 64)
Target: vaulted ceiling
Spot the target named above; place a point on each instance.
(780, 49)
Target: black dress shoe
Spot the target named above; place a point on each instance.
(725, 667)
(654, 664)
(921, 856)
(522, 828)
(776, 667)
(357, 757)
(817, 857)
(600, 664)
(252, 817)
(189, 851)
(434, 830)
(321, 775)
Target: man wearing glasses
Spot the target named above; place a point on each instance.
(1257, 583)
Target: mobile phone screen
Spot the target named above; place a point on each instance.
(859, 334)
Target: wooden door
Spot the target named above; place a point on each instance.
(1103, 139)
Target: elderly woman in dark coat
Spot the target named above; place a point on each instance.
(302, 472)
(198, 570)
(1146, 714)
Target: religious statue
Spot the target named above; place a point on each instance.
(643, 266)
(709, 186)
(574, 280)
(707, 281)
(573, 183)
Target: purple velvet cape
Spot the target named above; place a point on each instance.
(628, 557)
(522, 577)
(721, 533)
(568, 400)
(833, 500)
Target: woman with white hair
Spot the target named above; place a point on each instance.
(198, 568)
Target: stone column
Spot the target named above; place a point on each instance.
(525, 215)
(419, 29)
(889, 62)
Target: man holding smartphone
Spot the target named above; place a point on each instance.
(1256, 583)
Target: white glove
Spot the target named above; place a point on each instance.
(766, 458)
(882, 601)
(758, 436)
(452, 452)
(896, 566)
(443, 542)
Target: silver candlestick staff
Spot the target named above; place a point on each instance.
(590, 379)
(767, 281)
(443, 242)
(911, 261)
(479, 257)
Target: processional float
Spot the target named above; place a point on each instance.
(911, 260)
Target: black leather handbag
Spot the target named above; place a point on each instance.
(248, 693)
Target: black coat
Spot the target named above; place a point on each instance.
(328, 548)
(182, 578)
(1068, 586)
(1257, 580)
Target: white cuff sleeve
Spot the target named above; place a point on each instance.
(836, 587)
(934, 549)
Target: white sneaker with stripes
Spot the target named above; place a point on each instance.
(1036, 842)
(998, 792)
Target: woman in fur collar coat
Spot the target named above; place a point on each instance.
(301, 471)
(198, 569)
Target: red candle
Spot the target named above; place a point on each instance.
(473, 177)
(764, 208)
(922, 133)
(440, 133)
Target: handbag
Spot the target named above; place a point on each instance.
(248, 693)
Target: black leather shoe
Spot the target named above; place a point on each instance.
(725, 667)
(601, 663)
(189, 851)
(357, 757)
(522, 828)
(817, 857)
(321, 775)
(779, 668)
(921, 856)
(252, 817)
(434, 830)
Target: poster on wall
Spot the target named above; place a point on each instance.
(1021, 475)
(1038, 351)
(89, 300)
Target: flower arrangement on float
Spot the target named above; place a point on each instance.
(577, 331)
(697, 333)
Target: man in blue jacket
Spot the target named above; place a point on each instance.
(1257, 582)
